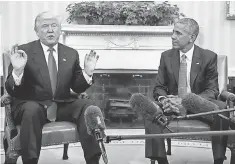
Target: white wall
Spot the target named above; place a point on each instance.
(217, 33)
(1, 70)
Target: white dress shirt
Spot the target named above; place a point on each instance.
(45, 48)
(189, 58)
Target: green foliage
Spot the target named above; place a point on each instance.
(123, 13)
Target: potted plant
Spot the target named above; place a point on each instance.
(123, 13)
(82, 13)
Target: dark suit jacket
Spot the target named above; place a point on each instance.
(36, 83)
(203, 75)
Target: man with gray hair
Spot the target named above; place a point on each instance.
(186, 68)
(41, 75)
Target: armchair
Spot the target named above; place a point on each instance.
(54, 133)
(196, 125)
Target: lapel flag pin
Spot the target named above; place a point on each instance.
(197, 63)
(64, 59)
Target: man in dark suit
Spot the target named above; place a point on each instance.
(186, 68)
(40, 77)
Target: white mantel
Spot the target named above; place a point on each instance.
(121, 48)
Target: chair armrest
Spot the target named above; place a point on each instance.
(6, 99)
(9, 123)
(230, 99)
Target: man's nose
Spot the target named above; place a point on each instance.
(50, 28)
(173, 36)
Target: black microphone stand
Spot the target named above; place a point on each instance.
(99, 138)
(110, 138)
(208, 113)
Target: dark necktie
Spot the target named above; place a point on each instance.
(51, 111)
(52, 69)
(182, 83)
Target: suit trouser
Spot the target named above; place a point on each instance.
(32, 116)
(155, 148)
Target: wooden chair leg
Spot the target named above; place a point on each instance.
(168, 146)
(65, 154)
(152, 161)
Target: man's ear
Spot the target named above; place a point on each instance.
(37, 33)
(36, 30)
(193, 38)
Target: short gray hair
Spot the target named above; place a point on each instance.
(39, 17)
(191, 25)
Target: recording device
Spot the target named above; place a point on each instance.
(94, 121)
(149, 110)
(196, 104)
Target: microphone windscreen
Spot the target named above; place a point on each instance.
(196, 104)
(94, 119)
(231, 97)
(145, 106)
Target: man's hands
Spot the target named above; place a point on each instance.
(171, 104)
(18, 59)
(90, 62)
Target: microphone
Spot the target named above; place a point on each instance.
(197, 104)
(149, 110)
(95, 124)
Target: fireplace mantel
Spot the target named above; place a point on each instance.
(122, 49)
(69, 29)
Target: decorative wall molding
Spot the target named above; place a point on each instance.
(71, 29)
(121, 48)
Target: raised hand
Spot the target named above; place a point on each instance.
(18, 59)
(90, 62)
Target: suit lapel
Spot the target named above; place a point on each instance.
(175, 64)
(61, 64)
(195, 66)
(40, 61)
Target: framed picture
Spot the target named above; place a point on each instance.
(230, 14)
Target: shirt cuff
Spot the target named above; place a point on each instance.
(88, 78)
(16, 78)
(160, 98)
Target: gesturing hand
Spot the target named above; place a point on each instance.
(18, 59)
(90, 62)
